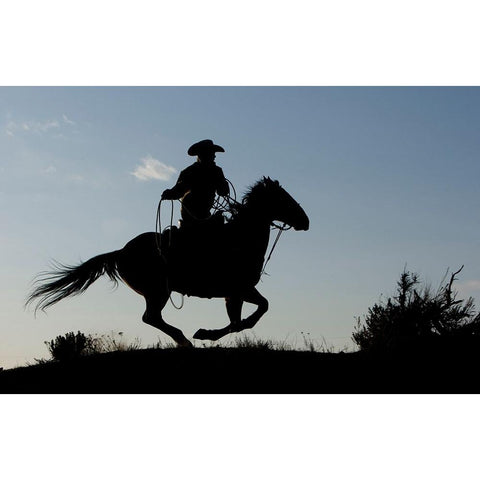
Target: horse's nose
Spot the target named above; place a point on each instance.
(304, 224)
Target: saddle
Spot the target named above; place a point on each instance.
(194, 237)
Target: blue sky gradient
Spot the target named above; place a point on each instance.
(388, 175)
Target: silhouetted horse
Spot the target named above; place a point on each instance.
(207, 261)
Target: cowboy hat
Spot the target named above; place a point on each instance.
(204, 146)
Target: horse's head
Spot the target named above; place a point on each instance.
(280, 205)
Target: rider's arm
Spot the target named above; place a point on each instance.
(223, 188)
(178, 191)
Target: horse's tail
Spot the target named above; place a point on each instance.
(66, 281)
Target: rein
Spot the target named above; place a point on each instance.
(281, 229)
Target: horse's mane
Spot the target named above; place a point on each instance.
(254, 195)
(259, 189)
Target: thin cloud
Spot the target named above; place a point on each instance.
(76, 178)
(31, 126)
(50, 169)
(152, 169)
(469, 286)
(41, 126)
(67, 120)
(54, 126)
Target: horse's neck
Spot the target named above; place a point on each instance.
(253, 231)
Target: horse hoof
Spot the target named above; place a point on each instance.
(185, 343)
(201, 334)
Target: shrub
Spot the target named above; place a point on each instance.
(417, 315)
(113, 343)
(69, 346)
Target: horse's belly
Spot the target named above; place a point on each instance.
(212, 274)
(212, 283)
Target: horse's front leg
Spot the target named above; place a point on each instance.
(234, 311)
(254, 296)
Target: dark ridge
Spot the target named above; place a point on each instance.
(247, 371)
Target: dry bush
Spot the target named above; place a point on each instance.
(417, 314)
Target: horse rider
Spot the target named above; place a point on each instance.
(197, 184)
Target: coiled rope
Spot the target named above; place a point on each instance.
(158, 241)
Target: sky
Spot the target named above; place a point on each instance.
(387, 175)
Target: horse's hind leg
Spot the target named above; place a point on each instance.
(153, 317)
